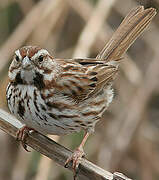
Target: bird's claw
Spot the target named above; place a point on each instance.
(21, 135)
(75, 158)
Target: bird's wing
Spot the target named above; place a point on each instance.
(81, 78)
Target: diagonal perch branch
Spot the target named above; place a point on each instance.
(55, 151)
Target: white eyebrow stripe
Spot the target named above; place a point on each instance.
(40, 52)
(17, 52)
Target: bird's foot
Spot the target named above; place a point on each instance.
(75, 158)
(21, 135)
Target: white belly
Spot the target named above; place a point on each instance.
(27, 104)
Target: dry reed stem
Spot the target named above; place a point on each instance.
(143, 156)
(92, 28)
(55, 151)
(24, 5)
(42, 31)
(43, 168)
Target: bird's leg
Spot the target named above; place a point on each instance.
(21, 135)
(77, 155)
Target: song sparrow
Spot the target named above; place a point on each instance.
(61, 96)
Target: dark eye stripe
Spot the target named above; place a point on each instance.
(17, 58)
(41, 58)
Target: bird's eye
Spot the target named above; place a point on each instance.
(41, 58)
(17, 58)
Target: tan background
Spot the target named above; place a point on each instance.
(126, 139)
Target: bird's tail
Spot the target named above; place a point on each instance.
(128, 31)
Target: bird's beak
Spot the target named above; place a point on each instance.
(26, 63)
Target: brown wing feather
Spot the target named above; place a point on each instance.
(82, 78)
(105, 75)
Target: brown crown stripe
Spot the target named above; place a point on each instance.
(29, 50)
(23, 51)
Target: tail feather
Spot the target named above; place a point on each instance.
(128, 31)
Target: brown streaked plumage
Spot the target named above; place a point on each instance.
(32, 51)
(61, 96)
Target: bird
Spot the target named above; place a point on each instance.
(62, 96)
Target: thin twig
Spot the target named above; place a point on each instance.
(55, 151)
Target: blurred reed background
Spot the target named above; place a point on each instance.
(126, 139)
